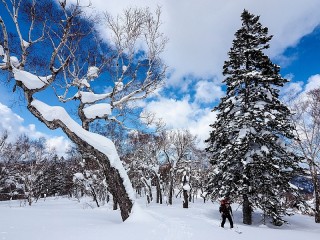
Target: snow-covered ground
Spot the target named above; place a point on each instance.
(67, 219)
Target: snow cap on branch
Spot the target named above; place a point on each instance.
(30, 80)
(92, 72)
(89, 97)
(97, 110)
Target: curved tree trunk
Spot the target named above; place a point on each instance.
(114, 181)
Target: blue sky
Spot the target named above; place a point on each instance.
(200, 35)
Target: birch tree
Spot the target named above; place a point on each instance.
(143, 162)
(307, 121)
(71, 78)
(178, 147)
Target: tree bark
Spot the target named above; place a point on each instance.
(170, 191)
(94, 195)
(246, 210)
(115, 204)
(185, 199)
(185, 193)
(149, 191)
(316, 195)
(158, 189)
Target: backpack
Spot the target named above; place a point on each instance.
(224, 209)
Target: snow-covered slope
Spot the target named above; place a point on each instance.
(66, 219)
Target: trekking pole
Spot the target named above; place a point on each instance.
(236, 228)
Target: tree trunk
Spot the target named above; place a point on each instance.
(113, 178)
(316, 195)
(246, 211)
(158, 189)
(94, 195)
(185, 192)
(29, 200)
(317, 209)
(170, 192)
(149, 190)
(185, 199)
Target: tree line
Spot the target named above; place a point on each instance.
(156, 164)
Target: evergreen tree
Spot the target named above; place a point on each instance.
(248, 142)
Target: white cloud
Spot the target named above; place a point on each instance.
(291, 90)
(181, 114)
(297, 91)
(200, 34)
(175, 113)
(59, 144)
(208, 91)
(14, 125)
(313, 83)
(201, 126)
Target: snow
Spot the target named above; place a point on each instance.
(14, 61)
(90, 97)
(252, 73)
(119, 85)
(260, 105)
(186, 187)
(78, 176)
(1, 51)
(92, 72)
(30, 80)
(25, 43)
(265, 149)
(97, 110)
(63, 218)
(103, 144)
(84, 82)
(243, 132)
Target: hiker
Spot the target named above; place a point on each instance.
(226, 213)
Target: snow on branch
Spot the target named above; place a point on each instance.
(90, 97)
(92, 72)
(101, 143)
(30, 80)
(1, 51)
(99, 110)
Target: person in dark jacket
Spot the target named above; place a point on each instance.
(226, 213)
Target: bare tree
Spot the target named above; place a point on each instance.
(90, 181)
(100, 81)
(178, 148)
(24, 164)
(307, 121)
(144, 162)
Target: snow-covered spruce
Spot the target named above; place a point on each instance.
(249, 154)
